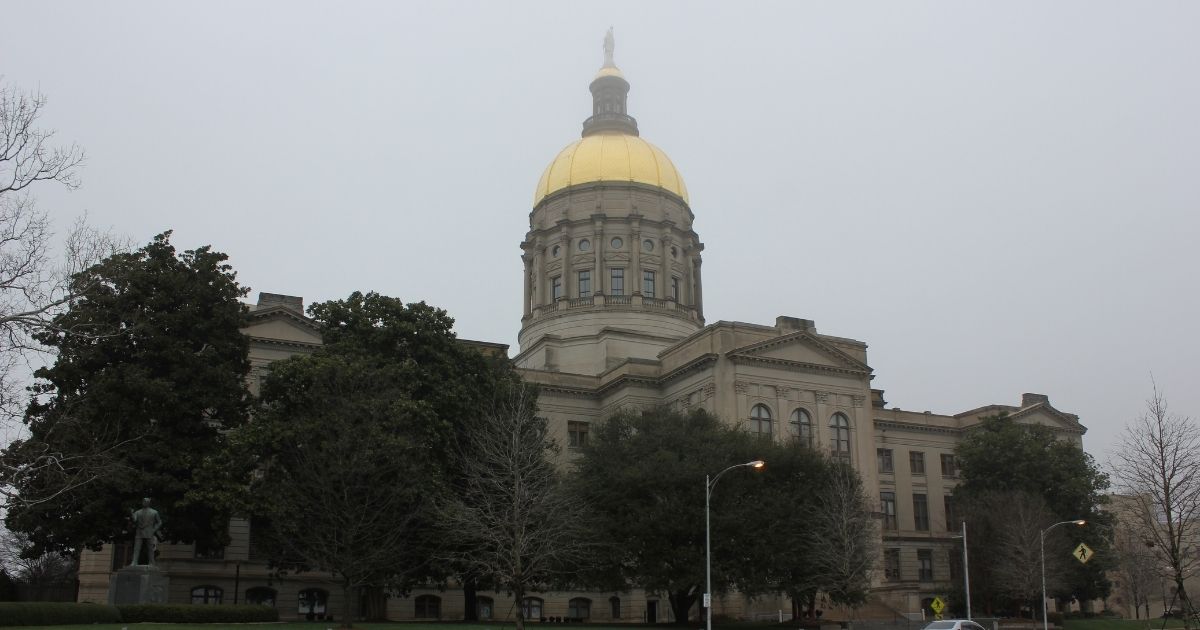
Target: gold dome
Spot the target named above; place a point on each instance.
(610, 157)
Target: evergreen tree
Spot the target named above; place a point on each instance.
(150, 371)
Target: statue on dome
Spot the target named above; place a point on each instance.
(608, 49)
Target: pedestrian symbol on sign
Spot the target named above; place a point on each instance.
(1083, 553)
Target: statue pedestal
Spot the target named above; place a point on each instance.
(139, 584)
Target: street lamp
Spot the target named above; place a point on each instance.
(1045, 621)
(966, 570)
(708, 488)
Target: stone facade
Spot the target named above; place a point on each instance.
(613, 318)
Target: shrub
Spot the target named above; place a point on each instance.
(55, 613)
(184, 613)
(1055, 618)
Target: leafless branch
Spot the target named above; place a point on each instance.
(1157, 466)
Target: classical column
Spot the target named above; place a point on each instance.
(564, 238)
(539, 272)
(527, 283)
(699, 286)
(598, 245)
(635, 255)
(664, 274)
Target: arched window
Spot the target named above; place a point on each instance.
(207, 595)
(261, 596)
(760, 421)
(801, 427)
(615, 603)
(579, 608)
(428, 607)
(531, 607)
(312, 602)
(839, 438)
(484, 606)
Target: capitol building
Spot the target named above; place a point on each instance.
(613, 318)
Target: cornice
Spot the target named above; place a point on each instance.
(797, 366)
(269, 341)
(916, 428)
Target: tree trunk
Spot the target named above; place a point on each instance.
(518, 596)
(1185, 602)
(347, 607)
(376, 603)
(681, 603)
(471, 599)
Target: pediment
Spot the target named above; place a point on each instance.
(282, 325)
(801, 350)
(1046, 415)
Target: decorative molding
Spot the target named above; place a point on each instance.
(914, 427)
(782, 391)
(741, 387)
(858, 400)
(798, 366)
(710, 390)
(822, 397)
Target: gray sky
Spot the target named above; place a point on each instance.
(997, 197)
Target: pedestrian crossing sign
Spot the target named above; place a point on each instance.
(1083, 553)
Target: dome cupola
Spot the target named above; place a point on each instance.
(611, 262)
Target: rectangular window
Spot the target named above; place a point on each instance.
(883, 457)
(916, 462)
(616, 284)
(675, 288)
(648, 284)
(585, 284)
(949, 465)
(925, 565)
(887, 505)
(555, 287)
(891, 565)
(921, 512)
(952, 523)
(577, 433)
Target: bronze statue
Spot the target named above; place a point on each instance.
(146, 522)
(608, 49)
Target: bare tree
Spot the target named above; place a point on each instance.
(843, 546)
(1158, 467)
(38, 570)
(513, 522)
(1137, 568)
(34, 281)
(1006, 548)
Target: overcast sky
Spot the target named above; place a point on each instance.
(997, 197)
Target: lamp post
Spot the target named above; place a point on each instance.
(1045, 621)
(708, 487)
(966, 570)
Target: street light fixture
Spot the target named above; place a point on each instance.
(966, 570)
(708, 488)
(1081, 522)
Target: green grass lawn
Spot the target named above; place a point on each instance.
(1071, 624)
(1119, 624)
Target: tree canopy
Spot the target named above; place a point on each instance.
(1058, 482)
(151, 369)
(353, 443)
(643, 475)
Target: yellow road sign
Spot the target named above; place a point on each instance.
(1083, 553)
(937, 605)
